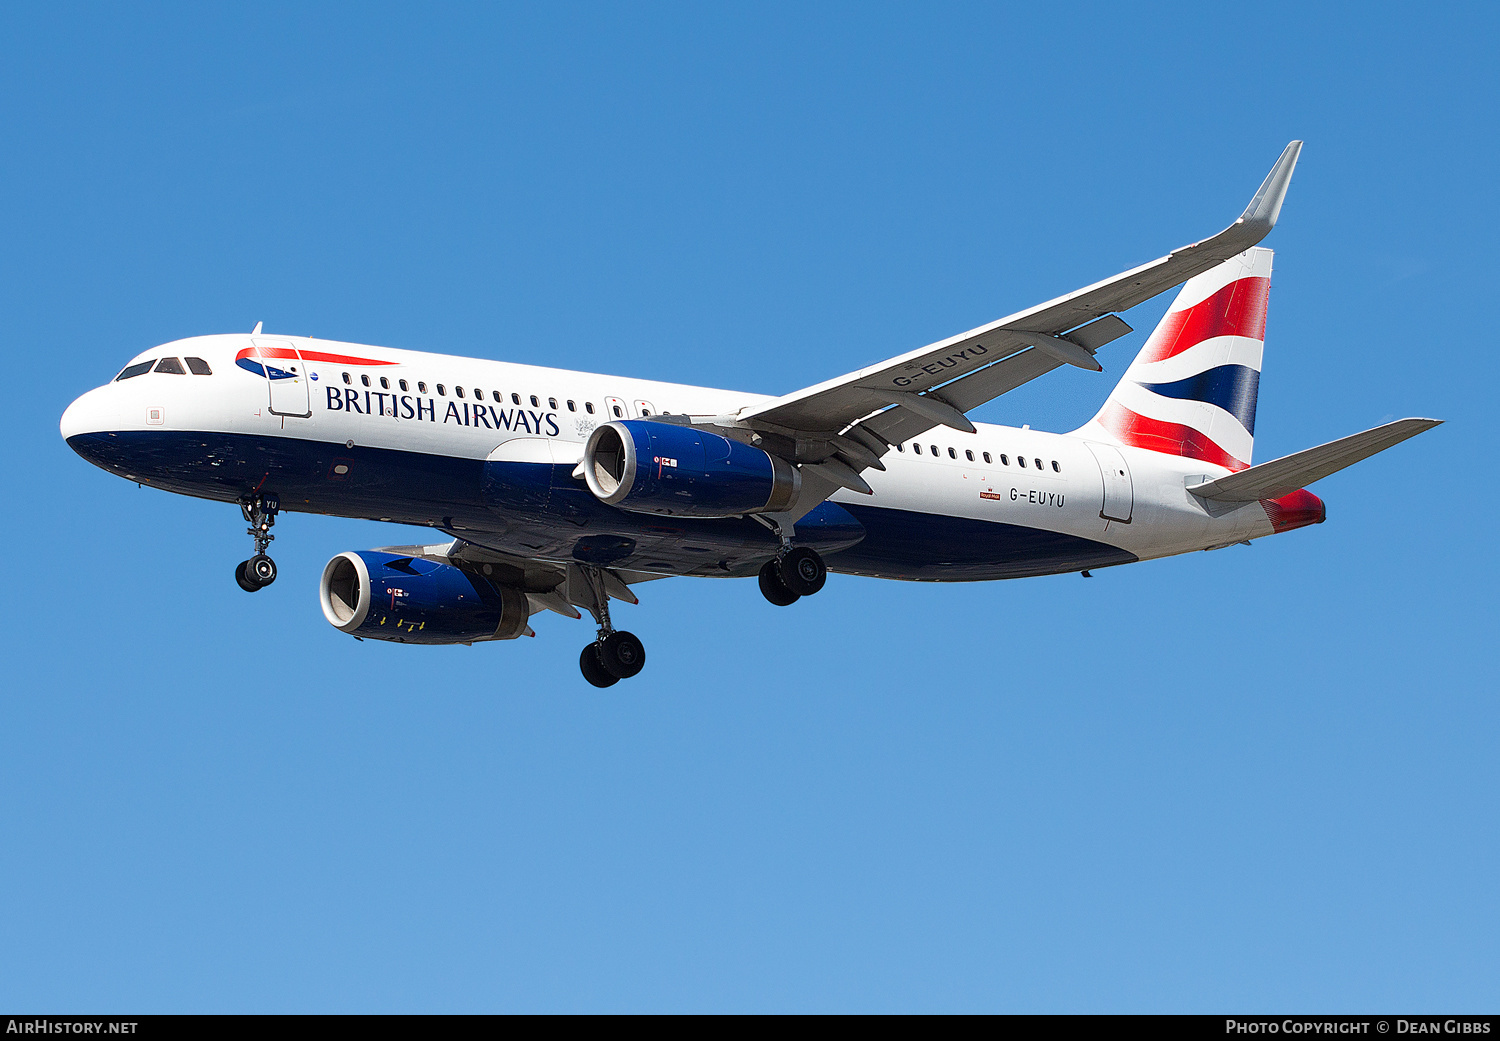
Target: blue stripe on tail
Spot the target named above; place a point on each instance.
(1231, 387)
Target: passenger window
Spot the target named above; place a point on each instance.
(385, 384)
(987, 458)
(552, 403)
(952, 454)
(403, 384)
(459, 391)
(1039, 465)
(1021, 461)
(1004, 459)
(171, 365)
(421, 387)
(969, 455)
(917, 448)
(1055, 468)
(572, 407)
(589, 407)
(515, 399)
(478, 394)
(347, 379)
(198, 367)
(499, 398)
(900, 447)
(617, 412)
(441, 391)
(365, 380)
(934, 449)
(534, 402)
(138, 369)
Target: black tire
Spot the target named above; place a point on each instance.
(773, 589)
(242, 579)
(623, 655)
(593, 668)
(261, 570)
(803, 571)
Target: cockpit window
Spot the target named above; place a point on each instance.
(171, 365)
(198, 367)
(138, 369)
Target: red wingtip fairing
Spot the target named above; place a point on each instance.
(1295, 510)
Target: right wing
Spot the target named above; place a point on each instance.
(983, 363)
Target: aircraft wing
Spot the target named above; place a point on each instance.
(900, 398)
(551, 586)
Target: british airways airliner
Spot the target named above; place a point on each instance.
(560, 491)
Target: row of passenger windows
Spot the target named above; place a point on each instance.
(969, 455)
(197, 366)
(499, 398)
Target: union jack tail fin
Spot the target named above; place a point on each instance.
(1191, 391)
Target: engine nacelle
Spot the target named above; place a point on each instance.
(684, 471)
(385, 596)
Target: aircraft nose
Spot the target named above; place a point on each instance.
(85, 416)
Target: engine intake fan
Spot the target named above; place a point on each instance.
(684, 471)
(385, 596)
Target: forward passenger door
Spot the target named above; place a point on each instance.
(286, 377)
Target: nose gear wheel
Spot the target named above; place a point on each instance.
(259, 571)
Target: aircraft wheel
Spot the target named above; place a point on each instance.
(773, 588)
(260, 569)
(803, 571)
(623, 655)
(243, 580)
(593, 668)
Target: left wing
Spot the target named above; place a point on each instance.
(843, 426)
(548, 585)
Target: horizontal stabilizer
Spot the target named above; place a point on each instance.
(1285, 475)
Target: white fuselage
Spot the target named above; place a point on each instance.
(349, 398)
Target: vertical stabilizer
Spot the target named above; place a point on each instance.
(1192, 390)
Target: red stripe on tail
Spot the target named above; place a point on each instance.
(1157, 435)
(1239, 309)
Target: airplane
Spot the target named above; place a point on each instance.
(561, 491)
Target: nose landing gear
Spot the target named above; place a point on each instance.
(614, 655)
(259, 571)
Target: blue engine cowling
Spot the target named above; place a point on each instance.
(405, 599)
(684, 471)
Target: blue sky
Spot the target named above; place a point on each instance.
(1259, 779)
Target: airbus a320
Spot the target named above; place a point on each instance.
(562, 491)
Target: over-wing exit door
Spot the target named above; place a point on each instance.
(286, 375)
(1119, 492)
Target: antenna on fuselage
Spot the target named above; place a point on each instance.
(256, 330)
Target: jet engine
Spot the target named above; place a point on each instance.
(405, 599)
(683, 471)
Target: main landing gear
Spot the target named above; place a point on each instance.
(614, 655)
(794, 573)
(259, 571)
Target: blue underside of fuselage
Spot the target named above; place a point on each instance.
(537, 510)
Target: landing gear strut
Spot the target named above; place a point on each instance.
(794, 573)
(259, 571)
(614, 655)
